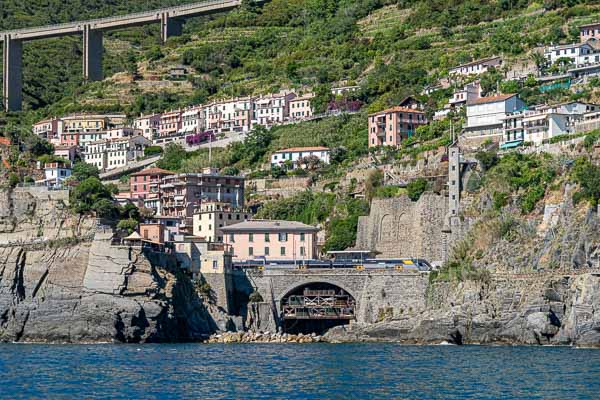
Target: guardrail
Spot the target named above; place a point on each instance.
(150, 13)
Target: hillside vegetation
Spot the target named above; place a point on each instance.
(391, 48)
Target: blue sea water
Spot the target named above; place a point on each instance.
(287, 371)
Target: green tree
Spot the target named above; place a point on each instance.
(85, 197)
(82, 171)
(173, 156)
(128, 225)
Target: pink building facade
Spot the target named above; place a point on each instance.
(170, 123)
(271, 240)
(589, 31)
(390, 127)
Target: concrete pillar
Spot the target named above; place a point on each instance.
(12, 74)
(92, 54)
(169, 27)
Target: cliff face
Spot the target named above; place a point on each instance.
(61, 280)
(541, 285)
(548, 309)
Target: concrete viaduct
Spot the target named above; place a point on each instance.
(170, 19)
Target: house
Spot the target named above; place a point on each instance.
(539, 124)
(301, 107)
(476, 67)
(145, 186)
(197, 256)
(236, 115)
(271, 240)
(342, 90)
(412, 103)
(55, 174)
(578, 54)
(468, 93)
(153, 232)
(485, 115)
(589, 31)
(148, 124)
(182, 194)
(212, 216)
(92, 122)
(114, 153)
(178, 72)
(48, 129)
(390, 127)
(273, 109)
(295, 155)
(170, 226)
(193, 121)
(66, 152)
(170, 123)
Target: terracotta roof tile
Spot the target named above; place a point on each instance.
(153, 171)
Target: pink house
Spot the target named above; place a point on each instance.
(390, 127)
(170, 123)
(147, 182)
(271, 240)
(589, 31)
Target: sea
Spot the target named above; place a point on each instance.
(297, 371)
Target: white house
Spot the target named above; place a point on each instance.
(485, 116)
(476, 67)
(540, 124)
(55, 173)
(148, 124)
(295, 154)
(114, 153)
(579, 54)
(193, 120)
(273, 109)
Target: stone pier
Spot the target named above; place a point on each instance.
(92, 54)
(12, 75)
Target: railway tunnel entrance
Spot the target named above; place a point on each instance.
(316, 308)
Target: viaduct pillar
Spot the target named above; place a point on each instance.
(92, 54)
(169, 27)
(12, 74)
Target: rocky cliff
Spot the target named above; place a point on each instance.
(533, 279)
(61, 280)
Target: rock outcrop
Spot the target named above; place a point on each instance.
(70, 284)
(550, 309)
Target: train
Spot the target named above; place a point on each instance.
(399, 264)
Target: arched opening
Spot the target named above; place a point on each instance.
(316, 307)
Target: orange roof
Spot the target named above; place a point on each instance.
(298, 149)
(6, 164)
(5, 141)
(491, 99)
(398, 109)
(153, 171)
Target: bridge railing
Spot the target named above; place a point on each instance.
(109, 19)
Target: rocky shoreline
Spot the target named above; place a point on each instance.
(260, 337)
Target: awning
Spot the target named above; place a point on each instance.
(511, 144)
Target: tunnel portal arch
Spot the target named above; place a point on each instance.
(315, 307)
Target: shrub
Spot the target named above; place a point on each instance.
(416, 188)
(128, 225)
(255, 297)
(500, 200)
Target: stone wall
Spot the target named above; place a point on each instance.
(378, 293)
(399, 227)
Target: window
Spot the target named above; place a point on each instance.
(251, 237)
(282, 251)
(283, 237)
(215, 264)
(302, 252)
(266, 251)
(250, 251)
(232, 238)
(302, 237)
(267, 237)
